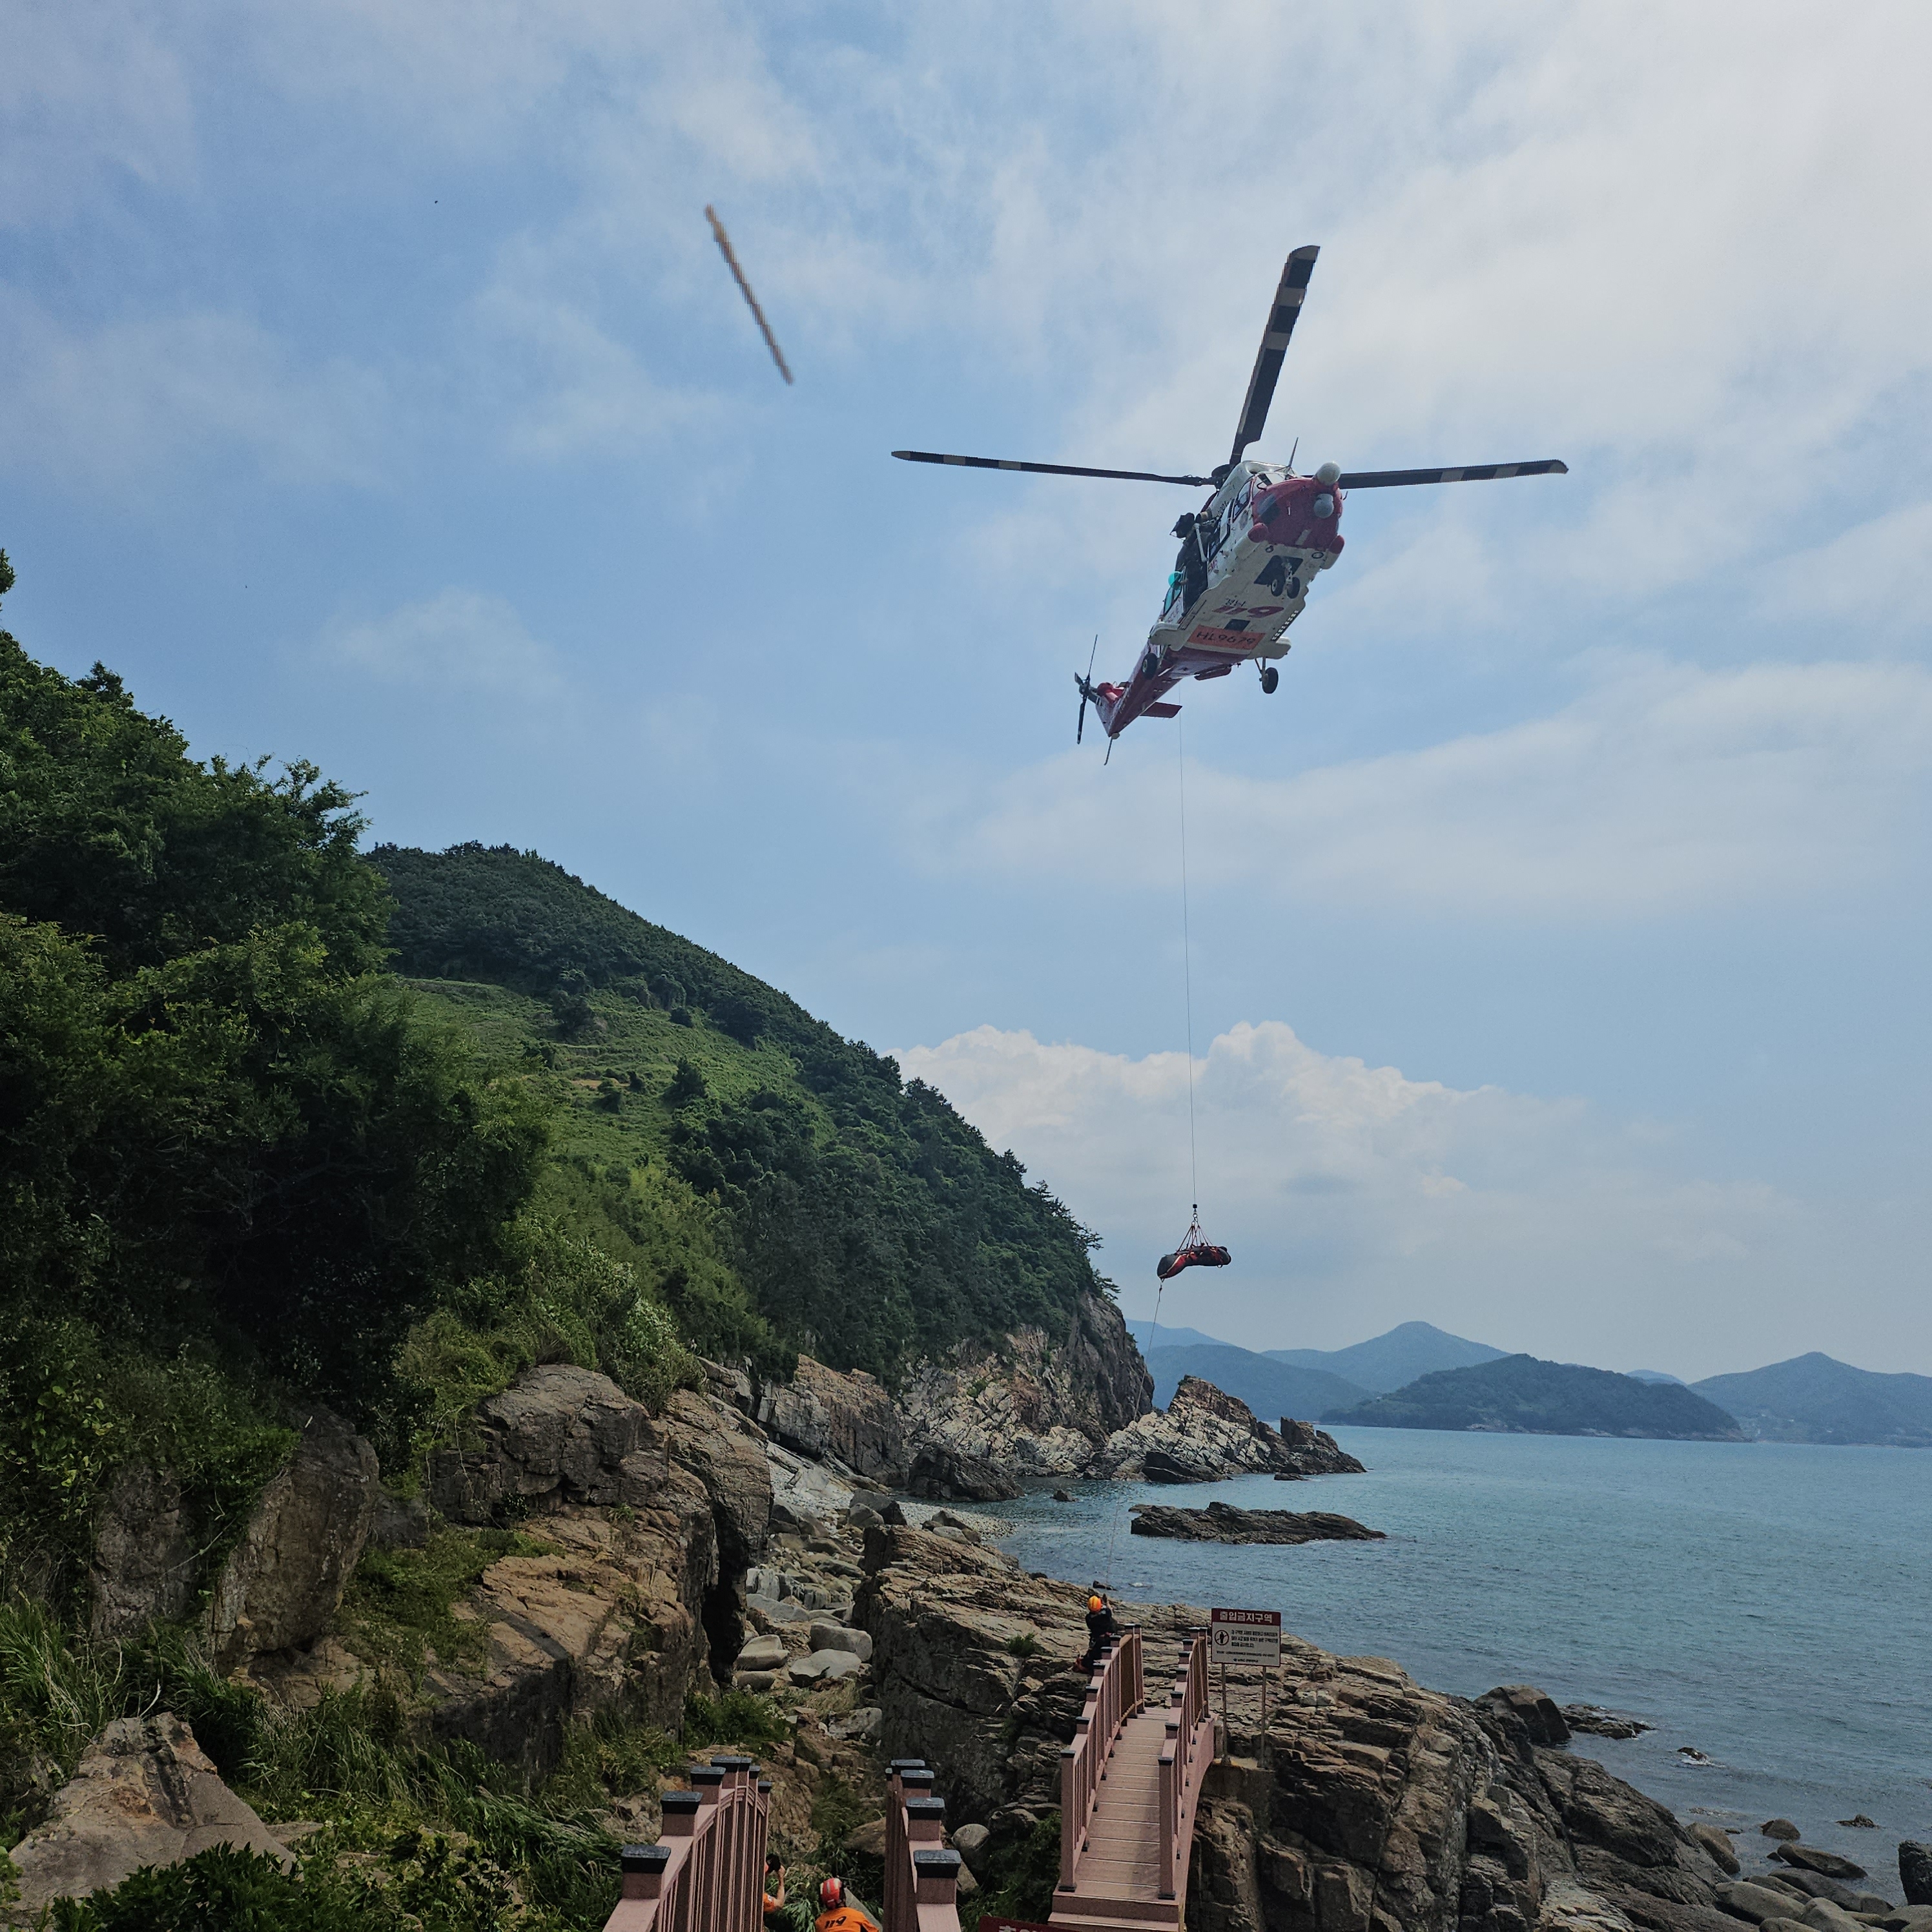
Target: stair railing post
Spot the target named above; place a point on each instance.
(1170, 1807)
(1069, 1813)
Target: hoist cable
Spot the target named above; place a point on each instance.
(1187, 978)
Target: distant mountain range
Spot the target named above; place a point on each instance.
(1270, 1388)
(1811, 1399)
(1519, 1394)
(1393, 1360)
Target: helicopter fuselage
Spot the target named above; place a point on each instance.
(1256, 545)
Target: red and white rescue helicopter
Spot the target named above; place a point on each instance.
(1248, 556)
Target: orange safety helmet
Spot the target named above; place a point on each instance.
(1095, 1604)
(831, 1893)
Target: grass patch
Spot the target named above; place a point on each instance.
(1019, 1881)
(400, 1605)
(608, 1758)
(1025, 1645)
(733, 1717)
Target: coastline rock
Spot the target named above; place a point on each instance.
(1814, 1885)
(1722, 1851)
(615, 1616)
(1781, 1828)
(1829, 1864)
(145, 1794)
(1859, 1821)
(1314, 1452)
(1364, 1804)
(145, 1564)
(1914, 1870)
(1535, 1710)
(942, 1473)
(1599, 1723)
(1038, 1407)
(1222, 1523)
(1757, 1903)
(821, 1412)
(1203, 1435)
(282, 1582)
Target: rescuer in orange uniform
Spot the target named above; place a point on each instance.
(841, 1913)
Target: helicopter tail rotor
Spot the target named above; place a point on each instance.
(1086, 688)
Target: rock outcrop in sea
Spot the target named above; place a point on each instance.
(1204, 1436)
(1223, 1522)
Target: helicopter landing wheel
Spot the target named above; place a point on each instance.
(1271, 677)
(1150, 664)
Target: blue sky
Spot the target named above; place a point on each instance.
(370, 390)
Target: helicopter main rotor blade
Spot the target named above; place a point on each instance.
(1048, 469)
(1288, 299)
(1471, 473)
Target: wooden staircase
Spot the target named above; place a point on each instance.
(1130, 1790)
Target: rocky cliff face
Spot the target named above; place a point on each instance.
(822, 1413)
(1204, 1435)
(1362, 1802)
(1041, 1408)
(636, 1528)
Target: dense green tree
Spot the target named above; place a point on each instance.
(217, 1113)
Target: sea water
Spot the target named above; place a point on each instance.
(1767, 1605)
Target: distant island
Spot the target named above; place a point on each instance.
(1815, 1398)
(1811, 1398)
(1520, 1395)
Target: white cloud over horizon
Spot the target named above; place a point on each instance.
(1353, 1197)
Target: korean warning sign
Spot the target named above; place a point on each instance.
(1244, 1637)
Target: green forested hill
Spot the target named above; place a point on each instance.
(712, 1132)
(1520, 1394)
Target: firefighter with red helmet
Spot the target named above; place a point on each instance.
(842, 1913)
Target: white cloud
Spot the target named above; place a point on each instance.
(1664, 788)
(1354, 1196)
(457, 641)
(119, 404)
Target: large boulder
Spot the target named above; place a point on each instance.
(608, 1612)
(1915, 1871)
(1536, 1708)
(1814, 1858)
(726, 1453)
(282, 1582)
(145, 1794)
(614, 1616)
(942, 1473)
(1203, 1435)
(146, 1556)
(821, 1412)
(558, 1434)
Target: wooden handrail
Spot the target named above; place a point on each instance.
(1184, 1756)
(922, 1872)
(707, 1873)
(1115, 1692)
